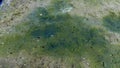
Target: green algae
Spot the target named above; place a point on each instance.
(58, 35)
(112, 22)
(45, 32)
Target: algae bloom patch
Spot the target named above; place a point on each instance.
(112, 22)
